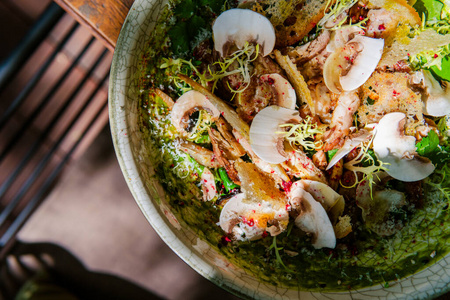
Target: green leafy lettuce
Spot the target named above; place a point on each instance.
(436, 15)
(430, 147)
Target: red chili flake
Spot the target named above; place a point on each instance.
(436, 55)
(287, 186)
(172, 165)
(288, 207)
(250, 222)
(225, 240)
(395, 93)
(264, 234)
(347, 57)
(381, 27)
(270, 80)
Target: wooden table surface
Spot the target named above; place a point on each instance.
(104, 17)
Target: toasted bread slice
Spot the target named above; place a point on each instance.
(300, 22)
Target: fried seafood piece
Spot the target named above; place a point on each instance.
(324, 100)
(304, 18)
(391, 13)
(386, 92)
(229, 144)
(223, 154)
(301, 166)
(310, 58)
(311, 49)
(166, 98)
(257, 94)
(201, 155)
(342, 120)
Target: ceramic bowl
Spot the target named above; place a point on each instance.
(149, 195)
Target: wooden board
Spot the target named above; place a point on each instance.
(104, 17)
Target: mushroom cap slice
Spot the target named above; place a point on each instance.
(282, 90)
(437, 102)
(365, 62)
(313, 218)
(409, 170)
(332, 202)
(187, 104)
(348, 146)
(264, 140)
(238, 26)
(392, 146)
(247, 220)
(348, 67)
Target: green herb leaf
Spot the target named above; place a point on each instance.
(428, 144)
(370, 101)
(429, 147)
(331, 153)
(444, 72)
(185, 9)
(179, 38)
(214, 5)
(431, 8)
(196, 24)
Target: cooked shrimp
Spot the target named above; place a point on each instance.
(341, 120)
(201, 155)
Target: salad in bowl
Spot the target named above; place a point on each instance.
(305, 143)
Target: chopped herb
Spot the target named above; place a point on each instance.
(429, 147)
(370, 101)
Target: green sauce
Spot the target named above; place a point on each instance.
(359, 260)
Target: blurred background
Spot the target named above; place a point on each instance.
(68, 223)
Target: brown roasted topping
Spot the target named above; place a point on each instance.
(306, 18)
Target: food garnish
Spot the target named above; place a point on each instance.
(307, 141)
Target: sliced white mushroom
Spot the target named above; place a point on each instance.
(341, 36)
(282, 90)
(247, 220)
(349, 145)
(264, 141)
(187, 104)
(312, 218)
(348, 67)
(437, 99)
(332, 202)
(208, 185)
(238, 26)
(392, 146)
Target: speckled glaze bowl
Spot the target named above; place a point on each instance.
(149, 195)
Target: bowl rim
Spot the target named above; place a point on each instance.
(127, 161)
